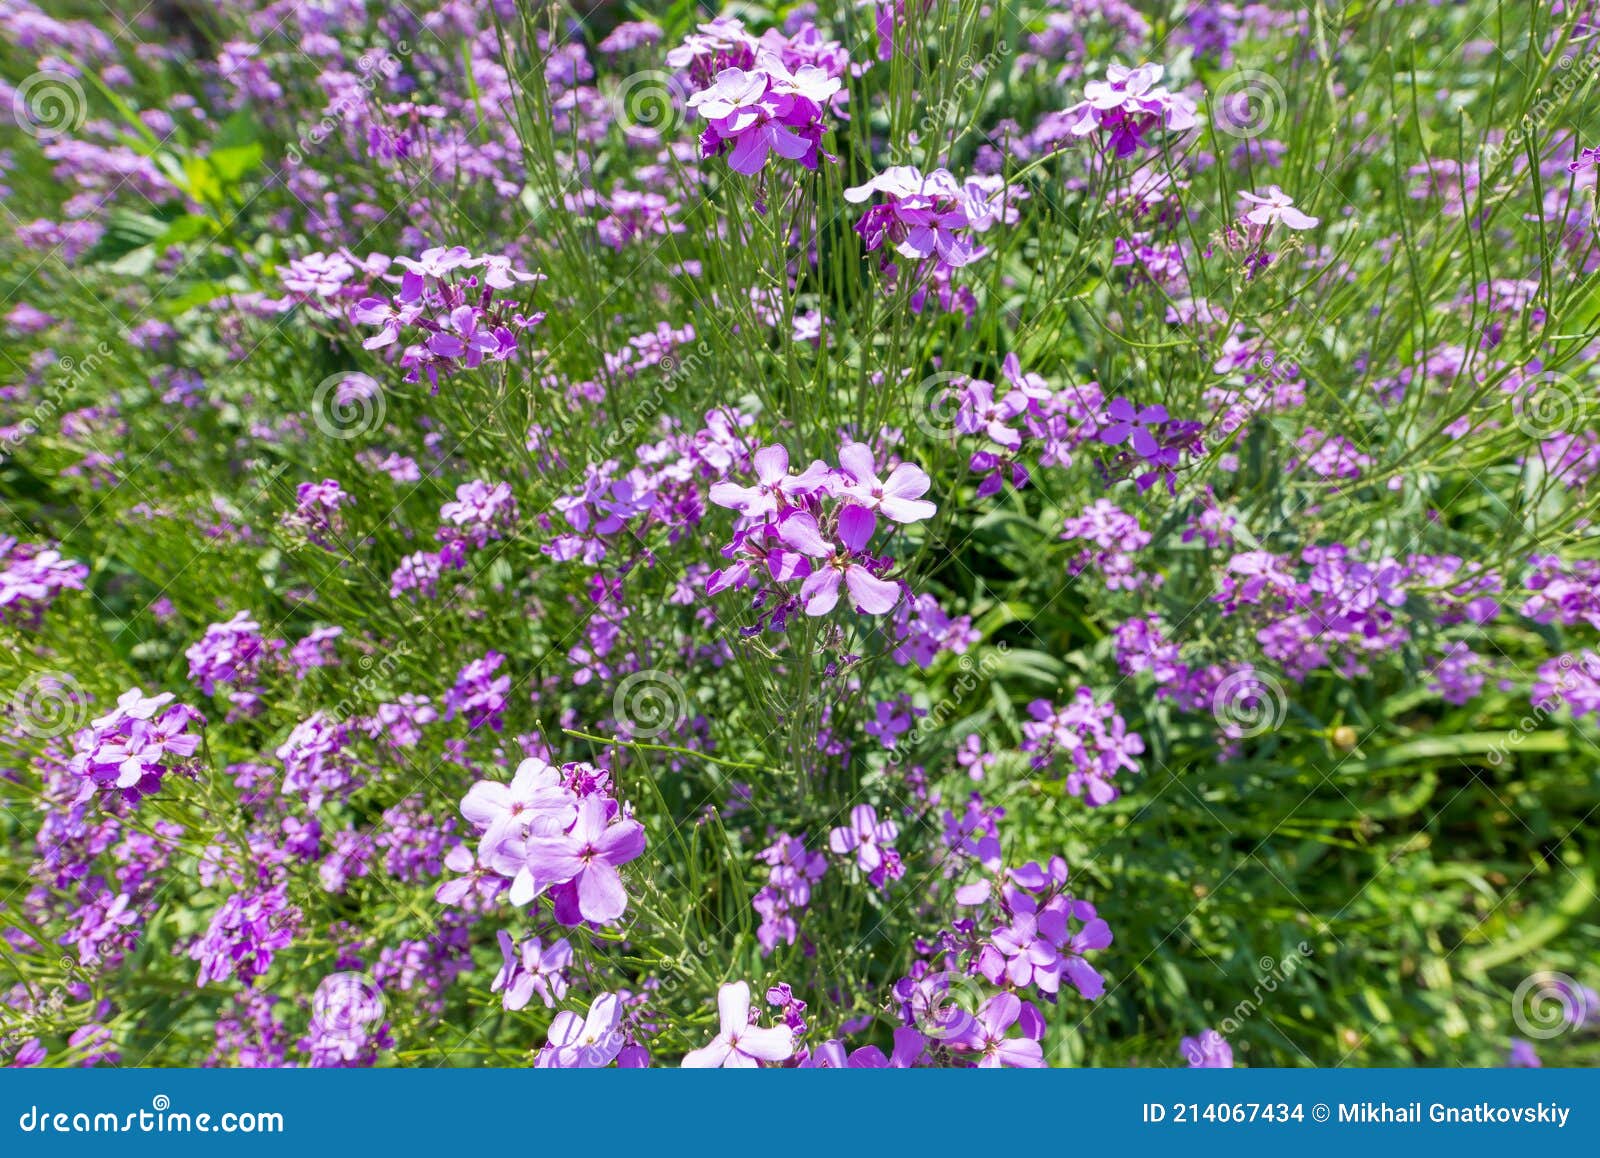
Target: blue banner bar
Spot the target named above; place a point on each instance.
(285, 1111)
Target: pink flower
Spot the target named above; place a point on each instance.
(740, 1045)
(1275, 207)
(865, 837)
(988, 1034)
(868, 593)
(586, 857)
(590, 1042)
(897, 496)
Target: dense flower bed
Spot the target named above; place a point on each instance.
(904, 533)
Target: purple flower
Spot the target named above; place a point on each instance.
(132, 747)
(244, 934)
(1523, 1055)
(479, 694)
(871, 841)
(1207, 1052)
(765, 109)
(1275, 207)
(480, 512)
(898, 496)
(740, 1045)
(1093, 736)
(590, 1042)
(32, 579)
(229, 653)
(586, 858)
(1129, 105)
(988, 1034)
(932, 216)
(535, 969)
(820, 591)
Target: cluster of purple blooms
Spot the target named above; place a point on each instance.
(480, 512)
(1112, 537)
(531, 969)
(816, 527)
(791, 871)
(1042, 934)
(556, 831)
(761, 95)
(933, 216)
(244, 935)
(666, 489)
(132, 747)
(316, 512)
(870, 843)
(1093, 739)
(479, 693)
(449, 313)
(1156, 443)
(1028, 419)
(1264, 213)
(754, 112)
(1124, 112)
(232, 654)
(32, 579)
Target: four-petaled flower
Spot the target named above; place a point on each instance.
(865, 836)
(740, 1045)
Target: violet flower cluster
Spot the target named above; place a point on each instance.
(449, 314)
(133, 746)
(557, 832)
(816, 528)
